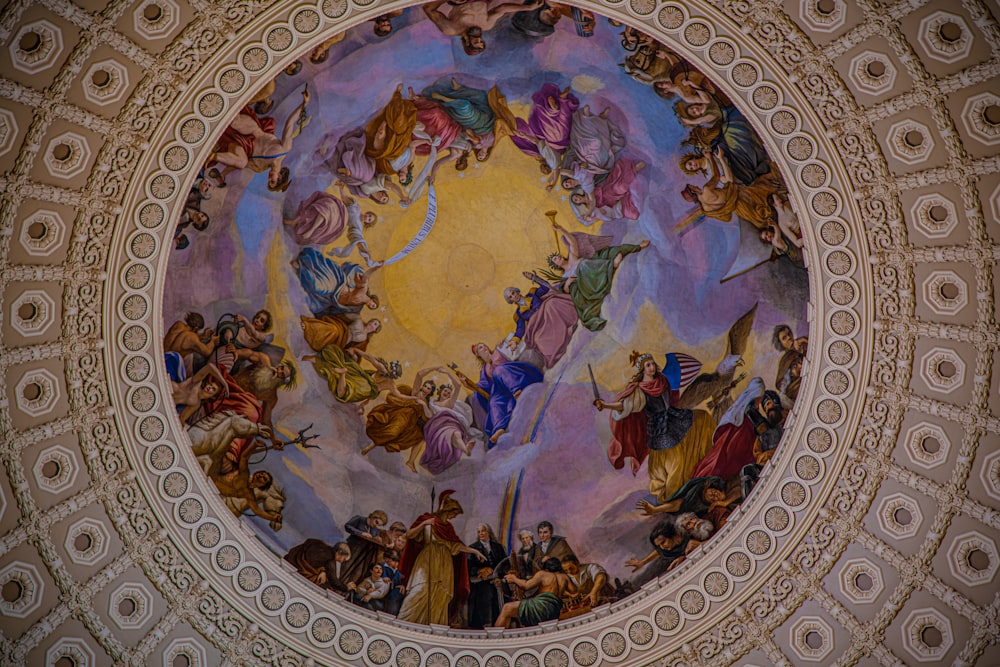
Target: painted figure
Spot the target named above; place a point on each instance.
(449, 432)
(545, 319)
(553, 585)
(548, 125)
(756, 419)
(434, 566)
(484, 604)
(469, 20)
(587, 271)
(501, 380)
(398, 424)
(323, 218)
(333, 288)
(249, 141)
(645, 420)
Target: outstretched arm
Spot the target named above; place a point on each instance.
(649, 509)
(191, 342)
(403, 199)
(524, 584)
(637, 564)
(571, 244)
(213, 370)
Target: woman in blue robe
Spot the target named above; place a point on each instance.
(469, 107)
(332, 288)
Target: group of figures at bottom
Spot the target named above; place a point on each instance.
(427, 574)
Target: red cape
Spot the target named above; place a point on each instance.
(246, 141)
(732, 448)
(628, 435)
(446, 532)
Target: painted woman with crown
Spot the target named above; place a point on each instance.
(645, 421)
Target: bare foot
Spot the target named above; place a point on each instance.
(497, 435)
(309, 357)
(644, 244)
(468, 447)
(364, 452)
(294, 264)
(517, 394)
(411, 466)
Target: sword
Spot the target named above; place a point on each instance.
(593, 383)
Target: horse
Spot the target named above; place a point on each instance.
(212, 436)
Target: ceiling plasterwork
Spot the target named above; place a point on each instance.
(870, 540)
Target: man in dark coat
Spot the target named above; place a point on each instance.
(484, 605)
(322, 564)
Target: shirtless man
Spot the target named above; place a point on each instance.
(186, 337)
(553, 585)
(239, 483)
(205, 385)
(471, 19)
(268, 150)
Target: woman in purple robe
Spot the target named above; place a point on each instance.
(612, 199)
(322, 219)
(550, 121)
(449, 433)
(502, 380)
(594, 144)
(358, 171)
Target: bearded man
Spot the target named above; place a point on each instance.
(264, 382)
(755, 421)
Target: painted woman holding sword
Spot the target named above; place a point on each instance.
(644, 420)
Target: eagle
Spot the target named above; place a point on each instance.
(717, 386)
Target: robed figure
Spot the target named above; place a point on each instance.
(646, 422)
(434, 567)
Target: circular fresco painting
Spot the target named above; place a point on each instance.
(486, 314)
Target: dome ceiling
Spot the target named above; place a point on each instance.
(871, 536)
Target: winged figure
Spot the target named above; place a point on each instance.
(716, 387)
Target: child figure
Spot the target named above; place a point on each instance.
(372, 590)
(243, 337)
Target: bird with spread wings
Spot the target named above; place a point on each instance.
(717, 386)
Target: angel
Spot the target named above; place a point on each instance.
(717, 387)
(587, 271)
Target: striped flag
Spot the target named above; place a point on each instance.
(681, 369)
